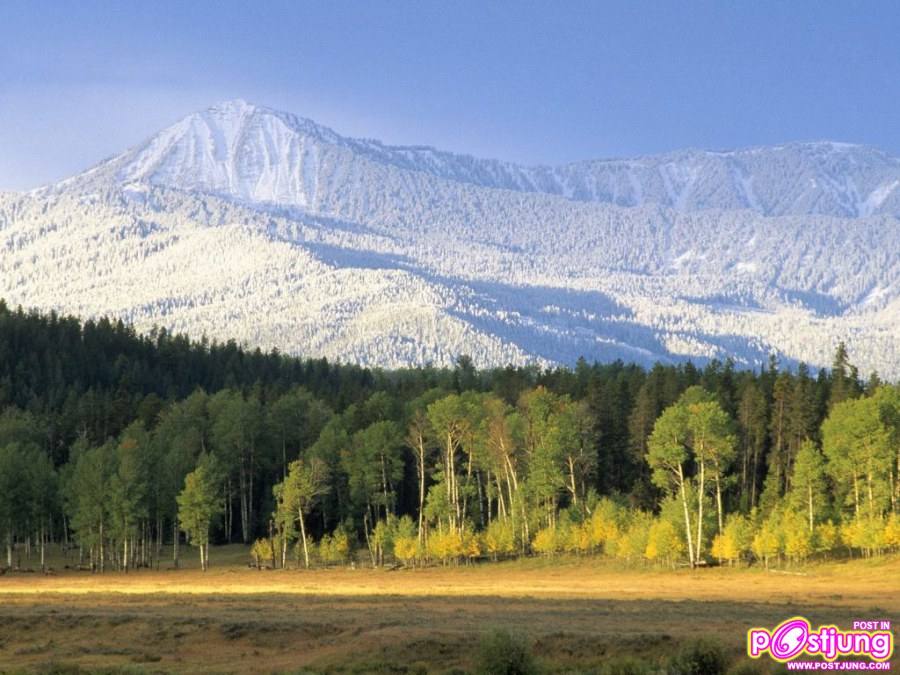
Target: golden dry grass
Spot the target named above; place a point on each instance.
(577, 612)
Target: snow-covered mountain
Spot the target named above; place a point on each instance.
(259, 154)
(242, 221)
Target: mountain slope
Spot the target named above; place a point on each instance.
(245, 222)
(258, 154)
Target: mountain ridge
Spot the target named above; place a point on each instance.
(826, 177)
(240, 221)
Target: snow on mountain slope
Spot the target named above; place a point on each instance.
(258, 154)
(213, 270)
(245, 222)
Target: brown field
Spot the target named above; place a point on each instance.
(577, 613)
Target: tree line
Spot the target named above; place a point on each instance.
(118, 445)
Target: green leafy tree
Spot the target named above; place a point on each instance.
(91, 491)
(13, 494)
(237, 436)
(501, 436)
(129, 490)
(306, 482)
(43, 501)
(808, 489)
(296, 419)
(544, 449)
(667, 454)
(714, 446)
(199, 504)
(857, 444)
(419, 440)
(451, 425)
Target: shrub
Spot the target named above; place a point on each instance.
(576, 537)
(632, 543)
(335, 547)
(405, 540)
(499, 538)
(765, 543)
(827, 537)
(503, 653)
(262, 553)
(866, 534)
(606, 522)
(546, 542)
(891, 536)
(664, 543)
(701, 657)
(470, 543)
(445, 546)
(735, 540)
(406, 549)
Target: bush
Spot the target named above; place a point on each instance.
(499, 538)
(576, 537)
(335, 547)
(262, 553)
(445, 546)
(606, 522)
(406, 549)
(827, 537)
(736, 540)
(470, 544)
(664, 543)
(504, 653)
(632, 543)
(765, 543)
(701, 657)
(891, 535)
(546, 542)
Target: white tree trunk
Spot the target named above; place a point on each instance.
(687, 516)
(700, 510)
(303, 537)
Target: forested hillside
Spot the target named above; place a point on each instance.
(328, 246)
(116, 444)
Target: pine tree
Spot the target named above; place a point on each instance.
(844, 377)
(752, 419)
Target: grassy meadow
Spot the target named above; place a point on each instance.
(579, 615)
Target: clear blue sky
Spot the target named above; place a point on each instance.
(536, 82)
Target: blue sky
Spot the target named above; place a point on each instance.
(535, 82)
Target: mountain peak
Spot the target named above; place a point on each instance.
(254, 153)
(233, 104)
(236, 108)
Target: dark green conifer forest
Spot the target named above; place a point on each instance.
(120, 447)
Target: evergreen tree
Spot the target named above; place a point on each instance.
(752, 420)
(844, 377)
